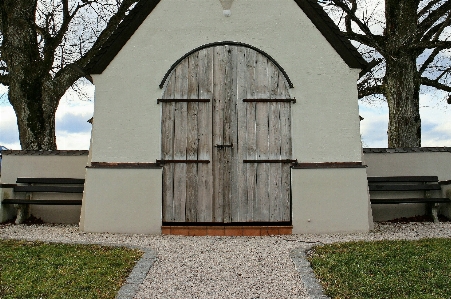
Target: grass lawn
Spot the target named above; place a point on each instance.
(46, 270)
(385, 269)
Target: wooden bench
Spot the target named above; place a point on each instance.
(42, 185)
(427, 184)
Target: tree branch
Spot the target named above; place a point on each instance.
(370, 90)
(425, 9)
(445, 72)
(433, 17)
(4, 79)
(432, 44)
(67, 18)
(430, 59)
(69, 74)
(106, 33)
(435, 83)
(373, 41)
(351, 15)
(435, 32)
(368, 37)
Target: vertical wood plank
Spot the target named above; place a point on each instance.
(275, 139)
(286, 150)
(229, 133)
(233, 193)
(251, 137)
(180, 142)
(205, 193)
(242, 209)
(218, 138)
(192, 140)
(262, 129)
(167, 149)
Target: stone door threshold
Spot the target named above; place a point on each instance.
(226, 230)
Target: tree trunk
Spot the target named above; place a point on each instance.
(30, 89)
(402, 80)
(402, 90)
(35, 114)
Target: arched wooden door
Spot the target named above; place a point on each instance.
(226, 139)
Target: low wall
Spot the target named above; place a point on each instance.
(422, 161)
(51, 164)
(380, 162)
(122, 199)
(330, 200)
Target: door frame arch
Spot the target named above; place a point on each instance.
(226, 43)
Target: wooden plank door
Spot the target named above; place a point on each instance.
(226, 139)
(186, 141)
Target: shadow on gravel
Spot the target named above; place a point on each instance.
(30, 221)
(422, 218)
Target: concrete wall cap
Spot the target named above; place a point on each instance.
(46, 153)
(406, 150)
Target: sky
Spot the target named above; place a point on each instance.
(73, 132)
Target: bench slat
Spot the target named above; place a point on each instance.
(8, 185)
(43, 201)
(50, 181)
(59, 189)
(403, 187)
(408, 200)
(376, 179)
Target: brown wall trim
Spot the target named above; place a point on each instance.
(183, 101)
(270, 161)
(182, 161)
(325, 165)
(124, 165)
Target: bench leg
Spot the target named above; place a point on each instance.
(23, 212)
(434, 209)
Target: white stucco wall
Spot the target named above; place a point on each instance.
(418, 164)
(122, 201)
(42, 166)
(330, 201)
(325, 117)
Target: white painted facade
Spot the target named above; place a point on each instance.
(325, 118)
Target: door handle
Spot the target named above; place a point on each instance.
(221, 146)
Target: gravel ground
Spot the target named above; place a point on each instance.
(222, 267)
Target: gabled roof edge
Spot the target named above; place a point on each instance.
(144, 7)
(332, 33)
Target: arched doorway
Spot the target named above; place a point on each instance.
(226, 138)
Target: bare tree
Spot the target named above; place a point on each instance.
(44, 47)
(410, 41)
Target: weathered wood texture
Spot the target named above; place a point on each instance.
(226, 131)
